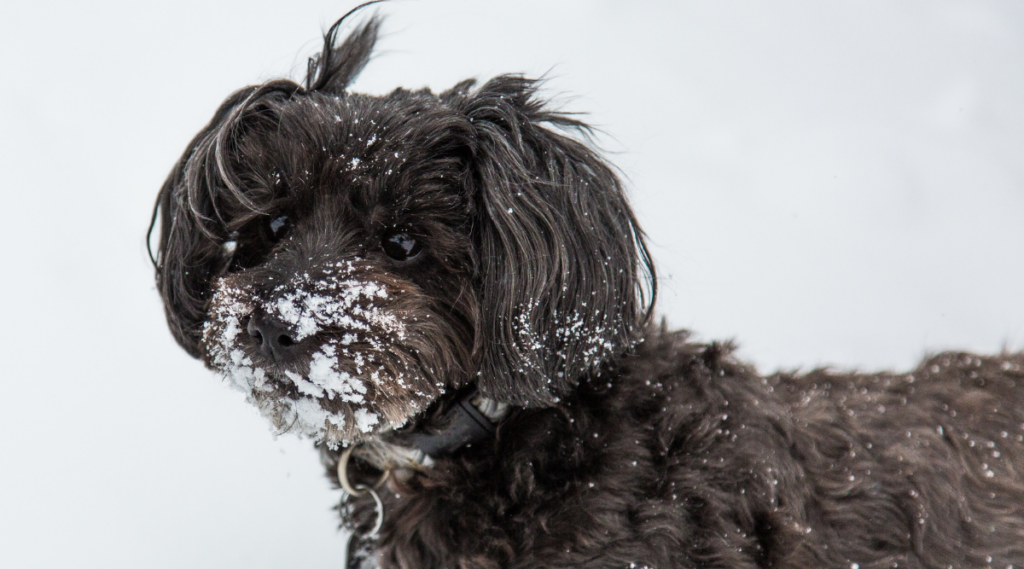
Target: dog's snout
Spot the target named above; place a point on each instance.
(272, 337)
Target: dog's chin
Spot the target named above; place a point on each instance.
(350, 384)
(294, 404)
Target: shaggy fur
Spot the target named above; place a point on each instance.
(353, 263)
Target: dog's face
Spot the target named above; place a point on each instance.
(346, 259)
(346, 304)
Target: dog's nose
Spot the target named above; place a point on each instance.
(272, 337)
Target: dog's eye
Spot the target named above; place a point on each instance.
(400, 246)
(279, 227)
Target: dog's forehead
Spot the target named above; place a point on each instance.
(364, 127)
(403, 149)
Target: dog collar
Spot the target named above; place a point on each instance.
(471, 419)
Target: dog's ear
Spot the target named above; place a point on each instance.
(203, 198)
(565, 279)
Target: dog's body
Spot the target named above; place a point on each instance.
(360, 266)
(681, 457)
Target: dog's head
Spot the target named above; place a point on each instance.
(346, 259)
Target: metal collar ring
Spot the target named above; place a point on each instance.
(355, 490)
(378, 506)
(361, 489)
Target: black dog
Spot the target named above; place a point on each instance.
(453, 291)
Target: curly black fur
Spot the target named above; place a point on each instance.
(525, 274)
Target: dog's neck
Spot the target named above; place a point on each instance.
(468, 419)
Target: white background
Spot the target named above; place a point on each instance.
(828, 183)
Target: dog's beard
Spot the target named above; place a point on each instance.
(363, 374)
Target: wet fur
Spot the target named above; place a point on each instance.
(628, 445)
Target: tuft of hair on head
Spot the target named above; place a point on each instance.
(337, 66)
(204, 198)
(565, 281)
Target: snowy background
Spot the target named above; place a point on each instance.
(836, 183)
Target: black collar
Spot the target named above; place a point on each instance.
(468, 419)
(465, 425)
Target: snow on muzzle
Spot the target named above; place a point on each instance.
(352, 335)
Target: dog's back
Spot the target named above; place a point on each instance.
(921, 468)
